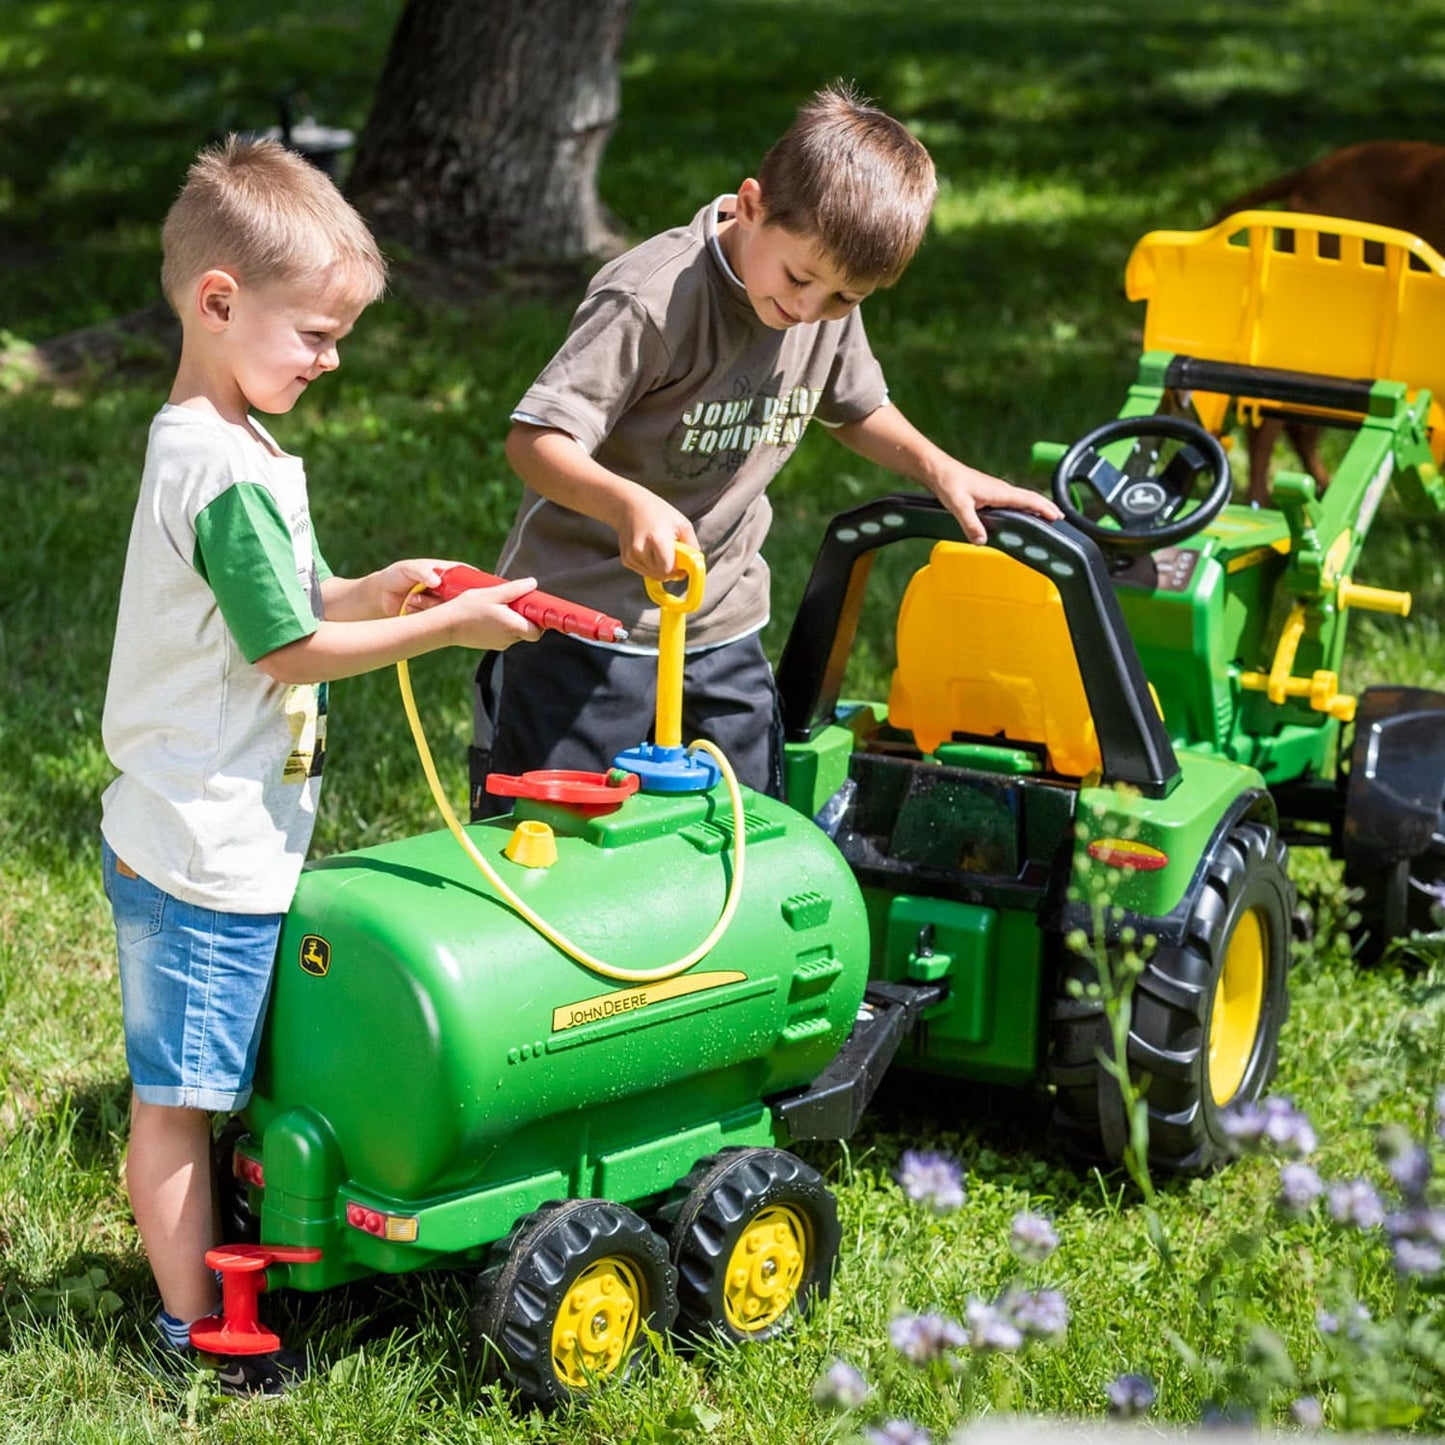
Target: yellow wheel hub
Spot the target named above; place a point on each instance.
(765, 1269)
(1238, 1004)
(597, 1322)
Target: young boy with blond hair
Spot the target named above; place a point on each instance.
(230, 626)
(687, 378)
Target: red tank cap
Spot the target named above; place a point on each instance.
(594, 791)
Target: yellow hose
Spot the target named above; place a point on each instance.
(573, 950)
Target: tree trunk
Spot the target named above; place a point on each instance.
(487, 128)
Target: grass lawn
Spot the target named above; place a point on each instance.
(1062, 133)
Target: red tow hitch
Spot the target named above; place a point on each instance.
(237, 1330)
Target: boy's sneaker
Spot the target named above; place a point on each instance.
(270, 1374)
(267, 1375)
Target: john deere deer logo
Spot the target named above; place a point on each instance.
(315, 955)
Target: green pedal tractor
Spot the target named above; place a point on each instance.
(569, 1048)
(1109, 729)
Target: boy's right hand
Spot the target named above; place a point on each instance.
(481, 617)
(648, 536)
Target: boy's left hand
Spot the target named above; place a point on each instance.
(964, 489)
(887, 437)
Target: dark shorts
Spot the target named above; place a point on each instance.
(559, 703)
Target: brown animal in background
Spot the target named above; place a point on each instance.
(1399, 183)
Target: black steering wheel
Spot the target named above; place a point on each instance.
(1145, 496)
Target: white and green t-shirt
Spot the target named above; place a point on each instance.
(220, 766)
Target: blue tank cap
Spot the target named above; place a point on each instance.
(669, 770)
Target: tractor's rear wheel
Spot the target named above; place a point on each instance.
(1392, 782)
(562, 1305)
(1205, 1017)
(1399, 900)
(754, 1235)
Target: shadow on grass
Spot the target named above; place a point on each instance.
(107, 104)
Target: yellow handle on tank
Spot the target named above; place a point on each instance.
(671, 635)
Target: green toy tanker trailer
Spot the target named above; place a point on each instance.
(443, 1082)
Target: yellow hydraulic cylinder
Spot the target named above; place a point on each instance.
(1320, 688)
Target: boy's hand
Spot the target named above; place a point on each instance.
(393, 585)
(648, 535)
(480, 617)
(486, 622)
(964, 489)
(555, 466)
(887, 437)
(382, 593)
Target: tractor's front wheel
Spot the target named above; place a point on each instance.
(562, 1305)
(755, 1238)
(1206, 1013)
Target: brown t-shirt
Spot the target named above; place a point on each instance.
(668, 378)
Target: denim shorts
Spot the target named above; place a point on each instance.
(193, 989)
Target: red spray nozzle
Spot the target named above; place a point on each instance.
(539, 608)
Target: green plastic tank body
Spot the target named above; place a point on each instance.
(433, 1067)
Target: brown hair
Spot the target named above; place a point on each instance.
(264, 214)
(855, 180)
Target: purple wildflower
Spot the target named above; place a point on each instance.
(1440, 1112)
(1352, 1327)
(1410, 1169)
(931, 1179)
(990, 1329)
(1417, 1236)
(841, 1388)
(1273, 1123)
(1420, 1223)
(1357, 1203)
(897, 1432)
(1130, 1395)
(1032, 1238)
(923, 1338)
(1417, 1257)
(1299, 1187)
(1307, 1413)
(1041, 1314)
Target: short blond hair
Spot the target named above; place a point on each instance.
(854, 180)
(264, 214)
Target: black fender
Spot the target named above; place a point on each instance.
(1254, 805)
(1397, 776)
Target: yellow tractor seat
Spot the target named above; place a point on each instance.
(984, 650)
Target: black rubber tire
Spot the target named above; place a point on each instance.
(526, 1281)
(712, 1209)
(239, 1223)
(1173, 1006)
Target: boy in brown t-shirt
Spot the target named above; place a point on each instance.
(688, 375)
